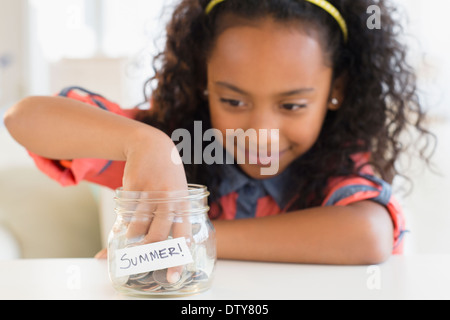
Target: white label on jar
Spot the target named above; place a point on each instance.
(151, 257)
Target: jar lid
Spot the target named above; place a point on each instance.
(194, 191)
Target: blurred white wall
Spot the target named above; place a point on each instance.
(429, 45)
(427, 207)
(13, 45)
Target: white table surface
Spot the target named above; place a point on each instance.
(401, 277)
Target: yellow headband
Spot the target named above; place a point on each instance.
(325, 5)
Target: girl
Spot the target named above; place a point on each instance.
(338, 93)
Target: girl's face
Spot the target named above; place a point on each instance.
(267, 75)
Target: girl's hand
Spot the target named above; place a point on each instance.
(151, 165)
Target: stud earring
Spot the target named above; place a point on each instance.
(334, 101)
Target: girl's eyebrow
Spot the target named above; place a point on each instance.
(231, 87)
(283, 94)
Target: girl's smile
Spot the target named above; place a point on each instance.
(261, 157)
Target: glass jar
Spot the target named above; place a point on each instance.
(162, 243)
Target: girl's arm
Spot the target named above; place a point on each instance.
(357, 234)
(65, 129)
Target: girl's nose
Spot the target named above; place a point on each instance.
(267, 125)
(264, 117)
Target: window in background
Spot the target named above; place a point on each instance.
(119, 35)
(61, 29)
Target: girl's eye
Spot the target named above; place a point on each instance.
(232, 102)
(293, 106)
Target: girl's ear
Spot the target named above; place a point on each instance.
(337, 93)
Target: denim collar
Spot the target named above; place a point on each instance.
(277, 187)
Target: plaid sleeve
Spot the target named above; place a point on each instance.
(99, 171)
(369, 187)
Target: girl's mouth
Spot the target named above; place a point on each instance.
(261, 157)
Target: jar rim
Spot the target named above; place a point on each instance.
(193, 191)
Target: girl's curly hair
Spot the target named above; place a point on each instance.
(381, 100)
